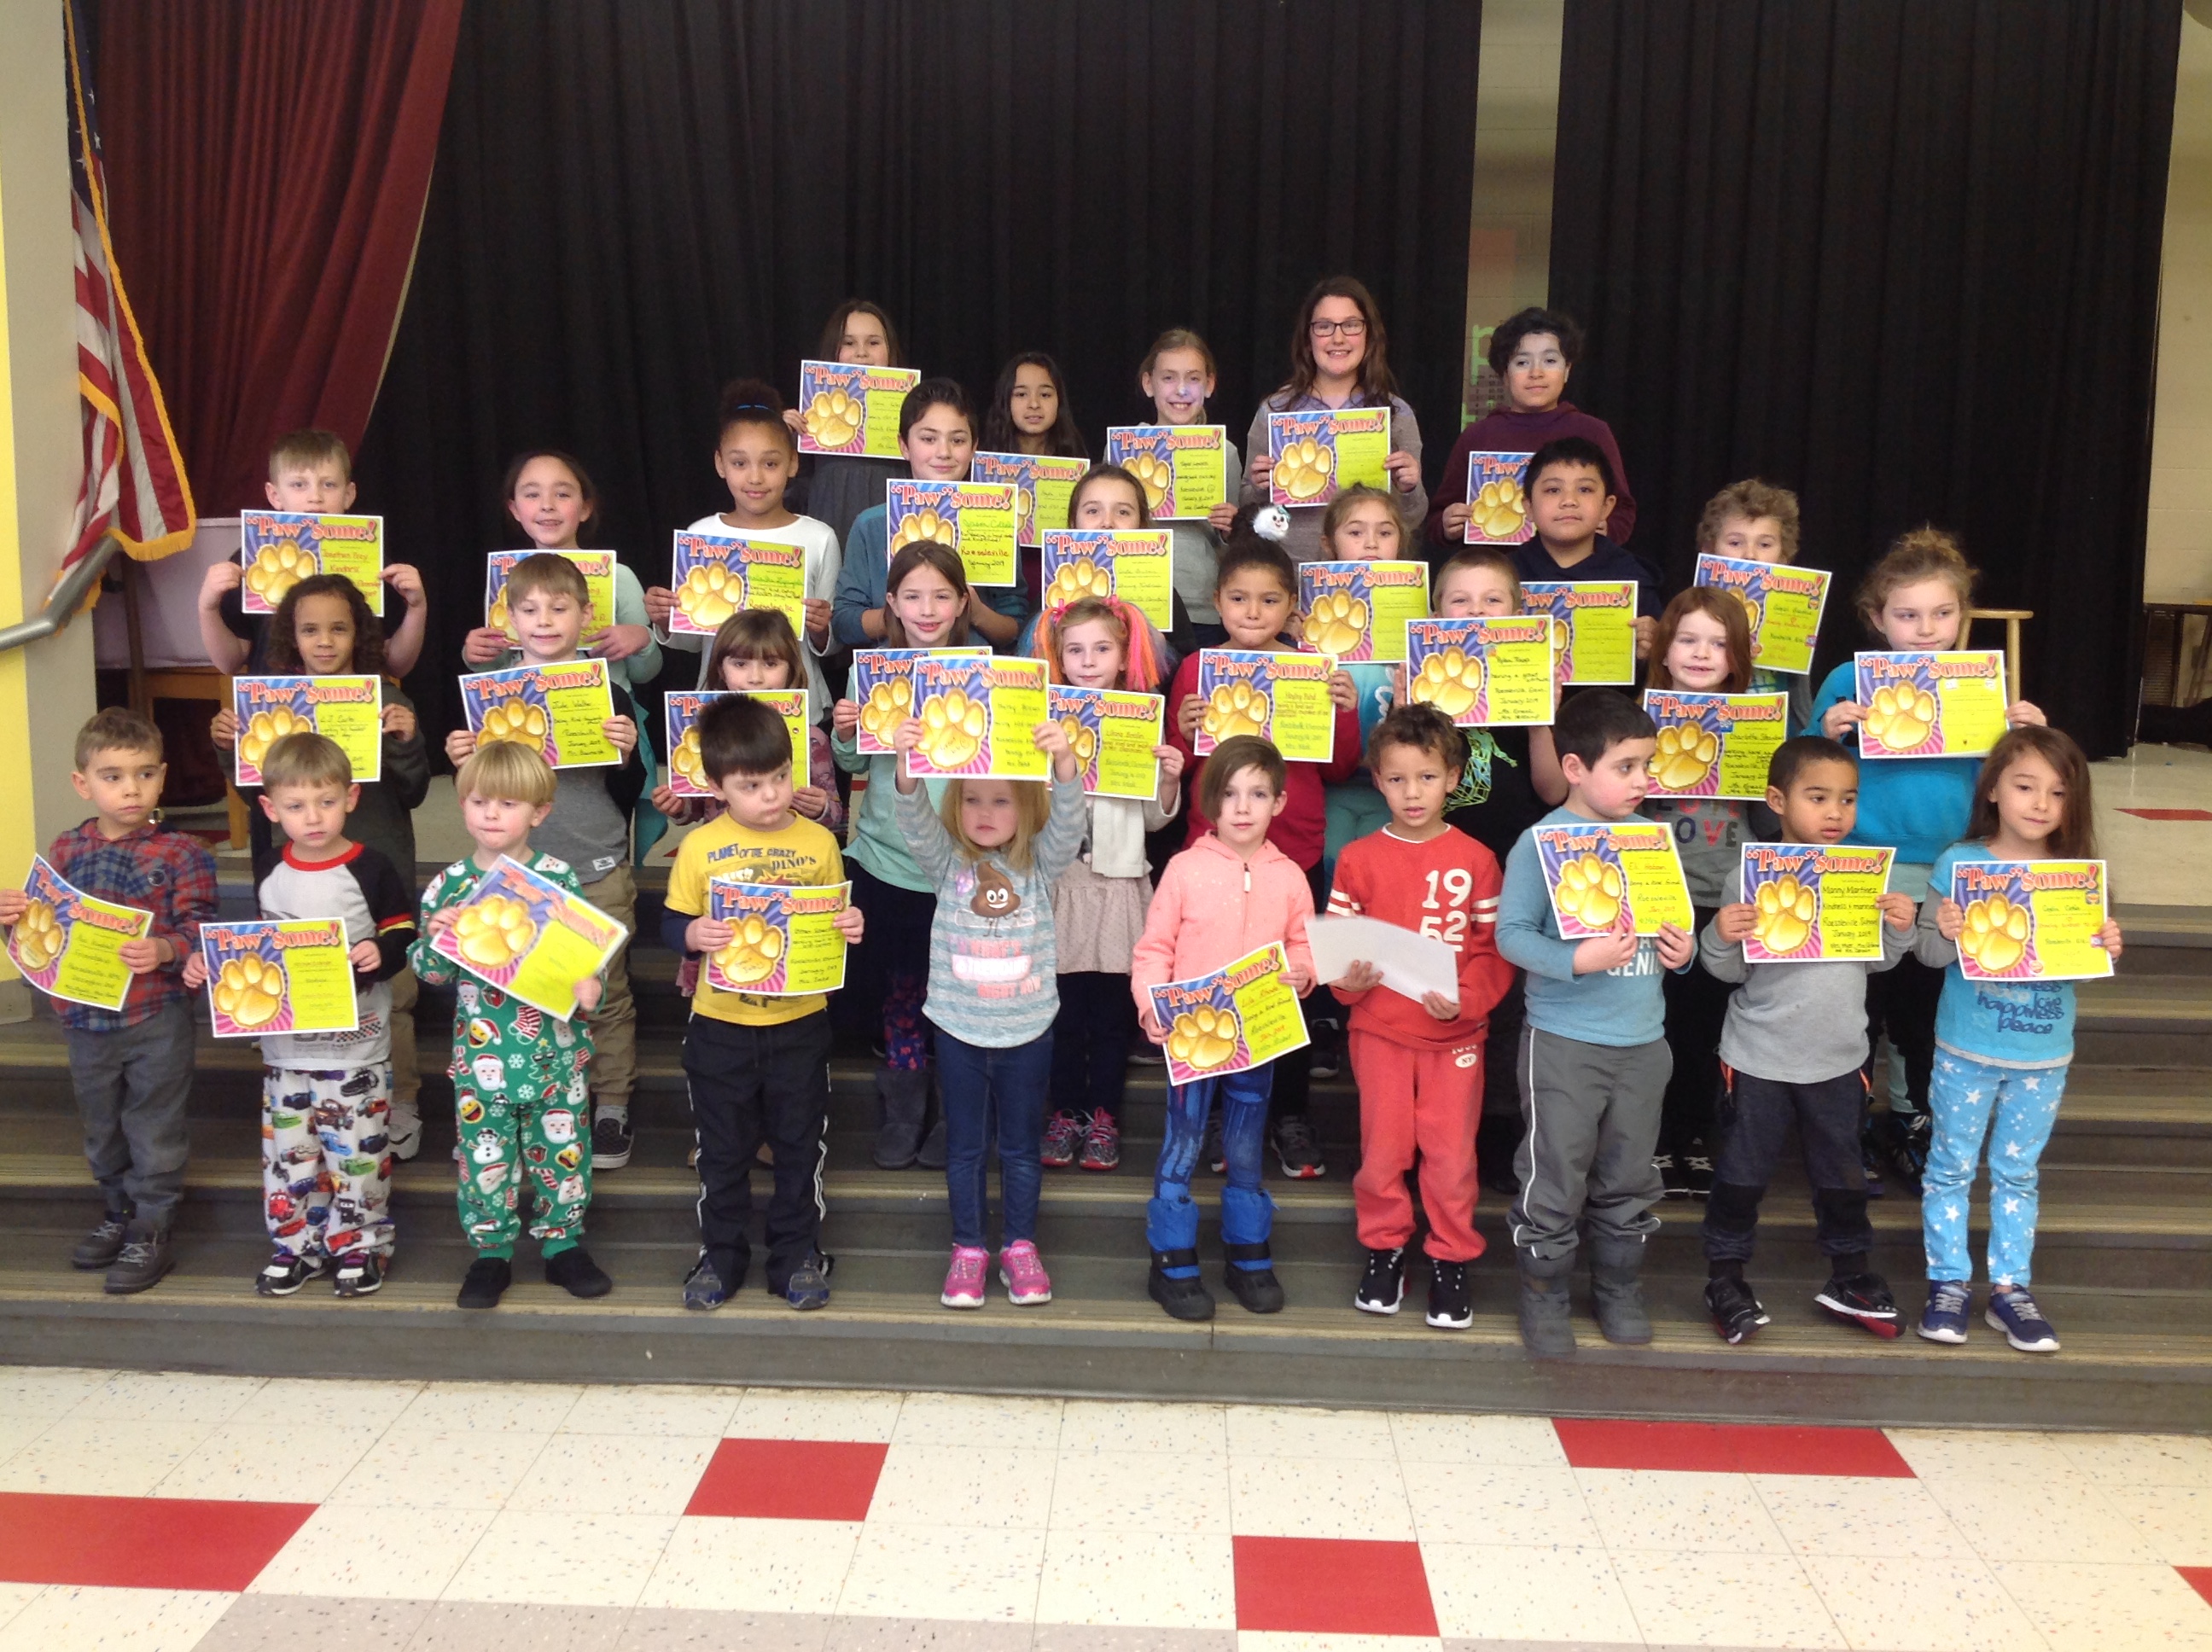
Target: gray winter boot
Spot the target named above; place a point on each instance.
(902, 1107)
(1617, 1291)
(1548, 1327)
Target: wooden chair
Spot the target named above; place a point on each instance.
(2012, 618)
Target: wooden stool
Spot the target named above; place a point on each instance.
(191, 682)
(2012, 618)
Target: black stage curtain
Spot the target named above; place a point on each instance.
(1900, 257)
(638, 199)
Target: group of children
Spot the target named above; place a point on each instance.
(1009, 932)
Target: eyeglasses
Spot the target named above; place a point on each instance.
(1352, 329)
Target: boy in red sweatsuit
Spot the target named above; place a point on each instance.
(1418, 1063)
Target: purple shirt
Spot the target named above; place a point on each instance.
(1508, 430)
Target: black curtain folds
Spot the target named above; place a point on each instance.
(636, 200)
(1900, 257)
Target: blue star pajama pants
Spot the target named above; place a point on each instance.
(2013, 1108)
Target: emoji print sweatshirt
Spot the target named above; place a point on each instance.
(993, 966)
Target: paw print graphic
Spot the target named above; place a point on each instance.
(1450, 681)
(250, 990)
(1204, 1037)
(1590, 892)
(1785, 912)
(1685, 756)
(753, 951)
(496, 931)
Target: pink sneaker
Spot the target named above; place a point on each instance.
(1022, 1274)
(963, 1281)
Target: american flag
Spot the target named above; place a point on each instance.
(133, 475)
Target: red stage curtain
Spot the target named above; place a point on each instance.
(268, 161)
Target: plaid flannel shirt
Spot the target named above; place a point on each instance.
(159, 869)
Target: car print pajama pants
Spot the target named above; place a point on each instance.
(325, 1162)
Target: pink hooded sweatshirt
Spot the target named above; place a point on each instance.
(1213, 906)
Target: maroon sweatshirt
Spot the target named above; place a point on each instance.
(1509, 431)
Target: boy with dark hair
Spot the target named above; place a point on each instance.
(758, 1063)
(326, 1098)
(132, 1069)
(1791, 1049)
(1594, 1060)
(1570, 485)
(1419, 1062)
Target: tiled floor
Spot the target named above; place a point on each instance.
(156, 1513)
(2154, 824)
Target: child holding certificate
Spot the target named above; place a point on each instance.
(838, 487)
(757, 648)
(1915, 598)
(1593, 1061)
(1098, 904)
(1792, 1046)
(325, 1096)
(1178, 374)
(1755, 521)
(521, 1103)
(2002, 1046)
(758, 1063)
(992, 849)
(1231, 893)
(1570, 492)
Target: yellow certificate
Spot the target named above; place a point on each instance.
(1597, 870)
(974, 519)
(1783, 604)
(2028, 920)
(530, 938)
(1815, 903)
(787, 943)
(269, 977)
(1183, 468)
(1321, 451)
(69, 944)
(1358, 611)
(1280, 697)
(852, 410)
(1715, 745)
(279, 549)
(979, 717)
(348, 710)
(561, 710)
(882, 686)
(1483, 670)
(1042, 487)
(1113, 732)
(1135, 564)
(1596, 633)
(716, 574)
(1930, 704)
(1242, 1016)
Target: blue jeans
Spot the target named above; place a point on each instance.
(973, 1081)
(1247, 1215)
(1966, 1096)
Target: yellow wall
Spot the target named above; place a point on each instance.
(1516, 118)
(2178, 566)
(45, 690)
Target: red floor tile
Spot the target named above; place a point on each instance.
(1328, 1586)
(2169, 814)
(2199, 1578)
(790, 1479)
(153, 1543)
(1731, 1448)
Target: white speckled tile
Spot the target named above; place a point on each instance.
(1916, 1603)
(968, 1486)
(488, 1408)
(902, 1634)
(440, 1471)
(1310, 1433)
(620, 1408)
(1337, 1498)
(568, 1560)
(1518, 1592)
(1720, 1599)
(1971, 1455)
(753, 1565)
(1822, 1513)
(2140, 1459)
(414, 1556)
(979, 1419)
(615, 1473)
(324, 1399)
(1179, 1579)
(85, 1455)
(14, 1597)
(1435, 1437)
(519, 1627)
(2164, 862)
(1109, 1426)
(1484, 1503)
(1140, 1492)
(941, 1571)
(167, 1397)
(2174, 1521)
(273, 1623)
(69, 1619)
(235, 1463)
(2070, 1521)
(686, 1629)
(45, 1391)
(816, 1414)
(2091, 1608)
(1645, 1508)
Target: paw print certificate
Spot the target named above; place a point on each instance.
(1242, 1016)
(1815, 903)
(348, 710)
(1357, 610)
(976, 520)
(1931, 705)
(597, 567)
(1783, 604)
(1112, 732)
(1595, 871)
(1496, 504)
(1483, 670)
(716, 574)
(785, 941)
(882, 687)
(1595, 639)
(1319, 453)
(979, 717)
(279, 975)
(1042, 486)
(848, 409)
(1183, 468)
(530, 938)
(1715, 745)
(69, 943)
(558, 710)
(1280, 697)
(279, 549)
(687, 768)
(1135, 564)
(2032, 919)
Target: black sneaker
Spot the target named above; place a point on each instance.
(1736, 1313)
(1210, 1151)
(611, 1141)
(285, 1275)
(1451, 1299)
(808, 1287)
(485, 1282)
(575, 1272)
(1297, 1151)
(1863, 1299)
(1383, 1288)
(1698, 1174)
(361, 1274)
(145, 1257)
(97, 1249)
(1325, 1058)
(703, 1290)
(1256, 1289)
(1674, 1179)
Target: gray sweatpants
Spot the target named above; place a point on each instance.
(1592, 1118)
(131, 1087)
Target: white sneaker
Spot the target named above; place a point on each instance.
(404, 1130)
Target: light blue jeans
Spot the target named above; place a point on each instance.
(1967, 1098)
(1247, 1215)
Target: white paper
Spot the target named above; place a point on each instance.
(1411, 963)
